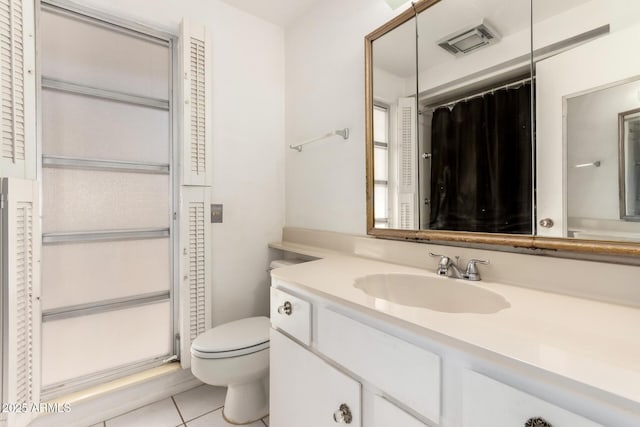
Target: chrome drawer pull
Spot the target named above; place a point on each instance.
(343, 415)
(286, 308)
(537, 422)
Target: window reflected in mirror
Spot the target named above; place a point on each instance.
(381, 165)
(394, 129)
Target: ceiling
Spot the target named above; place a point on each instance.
(395, 52)
(279, 12)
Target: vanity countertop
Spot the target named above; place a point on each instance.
(591, 342)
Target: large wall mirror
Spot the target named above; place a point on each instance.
(506, 122)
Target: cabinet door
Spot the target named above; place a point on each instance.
(489, 403)
(305, 390)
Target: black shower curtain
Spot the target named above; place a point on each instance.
(481, 164)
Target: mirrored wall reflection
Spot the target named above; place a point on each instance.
(394, 128)
(456, 153)
(587, 94)
(475, 103)
(458, 156)
(603, 170)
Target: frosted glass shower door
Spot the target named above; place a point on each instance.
(107, 193)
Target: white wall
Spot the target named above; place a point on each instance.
(248, 138)
(325, 186)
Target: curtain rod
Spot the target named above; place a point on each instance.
(475, 95)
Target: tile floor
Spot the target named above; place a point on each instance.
(198, 407)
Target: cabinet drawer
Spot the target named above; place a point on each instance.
(405, 372)
(489, 403)
(291, 315)
(385, 414)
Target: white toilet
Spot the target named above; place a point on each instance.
(236, 355)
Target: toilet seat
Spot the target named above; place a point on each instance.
(233, 339)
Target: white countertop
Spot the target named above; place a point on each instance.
(594, 343)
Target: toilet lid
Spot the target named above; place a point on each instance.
(233, 339)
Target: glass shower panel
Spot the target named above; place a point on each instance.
(70, 269)
(79, 346)
(100, 56)
(80, 126)
(85, 200)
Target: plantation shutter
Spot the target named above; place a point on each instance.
(407, 164)
(17, 90)
(195, 191)
(195, 275)
(20, 298)
(196, 106)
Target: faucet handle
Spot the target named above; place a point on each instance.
(443, 264)
(472, 271)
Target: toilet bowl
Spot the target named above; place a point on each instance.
(236, 355)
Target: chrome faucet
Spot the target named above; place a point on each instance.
(448, 267)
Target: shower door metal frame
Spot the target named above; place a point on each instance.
(165, 38)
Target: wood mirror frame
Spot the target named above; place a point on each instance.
(567, 247)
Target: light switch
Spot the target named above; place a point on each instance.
(216, 213)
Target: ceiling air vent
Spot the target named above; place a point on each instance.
(469, 39)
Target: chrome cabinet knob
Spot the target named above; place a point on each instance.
(343, 415)
(286, 308)
(546, 222)
(537, 422)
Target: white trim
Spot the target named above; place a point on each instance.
(118, 397)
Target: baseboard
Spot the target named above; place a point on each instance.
(139, 390)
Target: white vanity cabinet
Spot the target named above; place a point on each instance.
(326, 354)
(402, 371)
(308, 390)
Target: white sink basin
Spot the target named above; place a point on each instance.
(435, 293)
